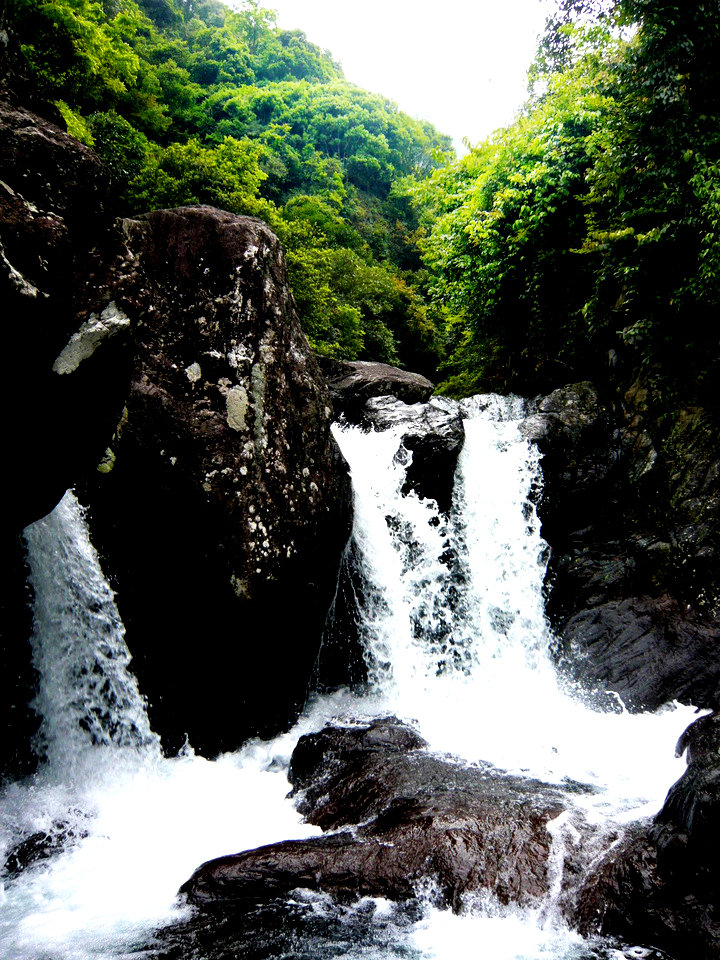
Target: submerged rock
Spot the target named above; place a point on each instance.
(43, 844)
(410, 819)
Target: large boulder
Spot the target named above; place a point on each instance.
(57, 241)
(353, 382)
(221, 504)
(660, 882)
(66, 368)
(412, 819)
(167, 351)
(648, 650)
(573, 430)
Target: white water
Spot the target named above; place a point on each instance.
(456, 641)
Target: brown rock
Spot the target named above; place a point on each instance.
(421, 819)
(352, 382)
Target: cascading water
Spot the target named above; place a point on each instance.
(452, 624)
(86, 695)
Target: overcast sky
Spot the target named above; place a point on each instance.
(459, 63)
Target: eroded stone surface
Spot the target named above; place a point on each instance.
(633, 523)
(432, 432)
(353, 382)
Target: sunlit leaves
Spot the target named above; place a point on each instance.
(504, 227)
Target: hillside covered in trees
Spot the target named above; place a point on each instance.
(190, 101)
(582, 242)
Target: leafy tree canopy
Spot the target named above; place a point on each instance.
(190, 101)
(582, 241)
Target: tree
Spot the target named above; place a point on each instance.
(503, 230)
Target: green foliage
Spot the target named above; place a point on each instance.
(583, 241)
(72, 51)
(653, 202)
(121, 147)
(226, 176)
(191, 102)
(76, 125)
(504, 226)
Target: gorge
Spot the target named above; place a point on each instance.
(483, 770)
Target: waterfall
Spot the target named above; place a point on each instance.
(123, 825)
(452, 617)
(451, 621)
(463, 593)
(86, 696)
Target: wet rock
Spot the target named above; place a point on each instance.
(42, 845)
(57, 240)
(222, 504)
(17, 674)
(413, 818)
(688, 836)
(572, 429)
(645, 649)
(167, 351)
(632, 522)
(660, 882)
(58, 244)
(303, 926)
(432, 432)
(628, 895)
(352, 382)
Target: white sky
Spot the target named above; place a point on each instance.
(460, 64)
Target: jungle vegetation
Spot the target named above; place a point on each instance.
(192, 101)
(580, 242)
(583, 241)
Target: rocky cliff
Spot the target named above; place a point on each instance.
(158, 365)
(631, 512)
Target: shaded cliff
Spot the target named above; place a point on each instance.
(159, 366)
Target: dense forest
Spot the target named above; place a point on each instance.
(580, 242)
(190, 101)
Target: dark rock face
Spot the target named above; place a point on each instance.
(688, 837)
(167, 350)
(421, 819)
(17, 676)
(432, 432)
(632, 524)
(660, 883)
(646, 649)
(56, 244)
(352, 382)
(572, 429)
(67, 361)
(41, 846)
(299, 928)
(222, 503)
